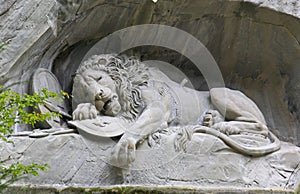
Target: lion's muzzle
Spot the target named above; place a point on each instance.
(104, 94)
(107, 102)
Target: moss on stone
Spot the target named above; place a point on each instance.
(138, 189)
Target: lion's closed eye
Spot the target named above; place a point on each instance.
(90, 78)
(99, 78)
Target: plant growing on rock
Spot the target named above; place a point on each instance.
(15, 106)
(15, 110)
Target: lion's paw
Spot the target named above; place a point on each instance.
(212, 117)
(226, 128)
(124, 152)
(85, 111)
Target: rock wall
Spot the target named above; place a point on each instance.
(257, 48)
(291, 7)
(83, 161)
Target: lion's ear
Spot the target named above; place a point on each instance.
(80, 79)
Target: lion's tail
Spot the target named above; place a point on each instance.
(243, 149)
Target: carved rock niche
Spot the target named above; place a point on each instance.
(254, 43)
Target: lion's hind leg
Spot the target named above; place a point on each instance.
(240, 113)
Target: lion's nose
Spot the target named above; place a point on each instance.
(103, 94)
(99, 95)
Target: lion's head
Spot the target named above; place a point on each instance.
(112, 83)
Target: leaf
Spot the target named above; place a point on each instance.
(14, 110)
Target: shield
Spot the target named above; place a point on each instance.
(102, 126)
(43, 78)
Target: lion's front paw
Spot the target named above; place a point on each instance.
(124, 152)
(212, 117)
(85, 111)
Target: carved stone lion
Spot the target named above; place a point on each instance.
(124, 87)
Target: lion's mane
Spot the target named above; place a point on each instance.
(128, 74)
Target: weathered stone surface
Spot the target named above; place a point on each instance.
(140, 189)
(291, 7)
(77, 160)
(256, 48)
(22, 24)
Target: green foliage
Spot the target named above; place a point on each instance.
(2, 45)
(16, 171)
(16, 106)
(15, 110)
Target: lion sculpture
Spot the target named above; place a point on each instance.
(120, 86)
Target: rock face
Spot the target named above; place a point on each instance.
(78, 160)
(291, 7)
(256, 48)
